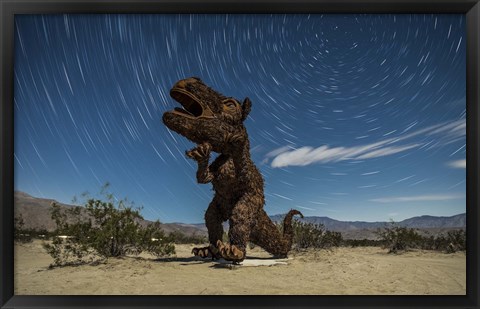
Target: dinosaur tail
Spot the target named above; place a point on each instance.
(288, 228)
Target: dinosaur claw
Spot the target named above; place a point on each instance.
(200, 153)
(204, 149)
(230, 252)
(202, 252)
(236, 252)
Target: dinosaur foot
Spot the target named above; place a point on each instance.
(205, 252)
(230, 252)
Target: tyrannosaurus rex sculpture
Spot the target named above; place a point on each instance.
(215, 123)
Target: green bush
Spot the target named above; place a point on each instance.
(20, 234)
(68, 251)
(310, 235)
(362, 243)
(397, 238)
(102, 229)
(450, 242)
(457, 241)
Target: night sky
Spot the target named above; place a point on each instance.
(354, 117)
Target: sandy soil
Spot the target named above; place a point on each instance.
(346, 271)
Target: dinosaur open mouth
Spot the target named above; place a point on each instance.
(191, 107)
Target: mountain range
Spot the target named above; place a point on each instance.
(457, 221)
(36, 215)
(362, 229)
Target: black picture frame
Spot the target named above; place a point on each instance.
(9, 8)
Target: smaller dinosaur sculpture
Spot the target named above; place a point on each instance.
(215, 123)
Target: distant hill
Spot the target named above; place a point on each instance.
(36, 215)
(436, 222)
(457, 221)
(35, 212)
(362, 229)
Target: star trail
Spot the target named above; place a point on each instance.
(355, 117)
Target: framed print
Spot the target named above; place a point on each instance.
(226, 153)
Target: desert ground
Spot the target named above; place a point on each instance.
(340, 271)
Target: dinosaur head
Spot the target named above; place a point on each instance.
(205, 115)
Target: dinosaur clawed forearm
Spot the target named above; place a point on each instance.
(201, 154)
(203, 174)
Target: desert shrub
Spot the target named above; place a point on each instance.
(40, 233)
(397, 238)
(310, 235)
(153, 240)
(20, 233)
(68, 251)
(457, 241)
(451, 242)
(362, 243)
(102, 229)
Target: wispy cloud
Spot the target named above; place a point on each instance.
(386, 151)
(283, 197)
(307, 208)
(418, 198)
(445, 132)
(277, 151)
(458, 164)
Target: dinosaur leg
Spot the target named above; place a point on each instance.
(241, 224)
(213, 221)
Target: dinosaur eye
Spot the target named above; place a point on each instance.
(230, 103)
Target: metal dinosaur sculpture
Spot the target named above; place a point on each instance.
(215, 123)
